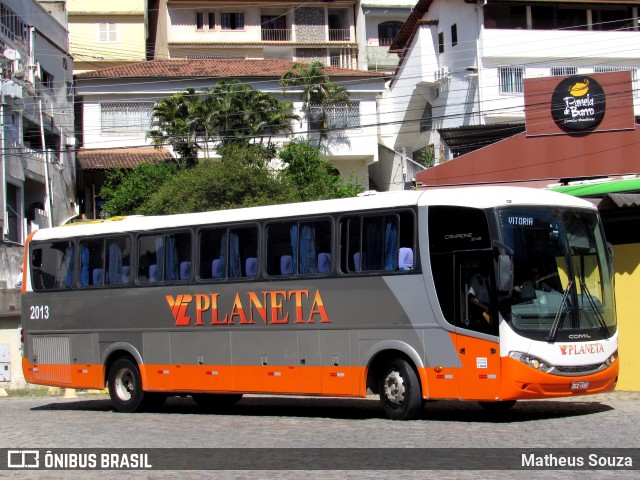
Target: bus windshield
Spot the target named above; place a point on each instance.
(562, 281)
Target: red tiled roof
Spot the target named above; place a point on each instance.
(105, 159)
(209, 67)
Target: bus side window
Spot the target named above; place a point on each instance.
(150, 249)
(53, 266)
(118, 254)
(177, 256)
(281, 253)
(212, 246)
(243, 247)
(92, 263)
(350, 238)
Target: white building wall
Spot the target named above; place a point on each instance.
(468, 97)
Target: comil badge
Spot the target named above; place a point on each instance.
(578, 103)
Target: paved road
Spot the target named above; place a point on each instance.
(88, 421)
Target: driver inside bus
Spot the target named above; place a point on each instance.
(479, 299)
(527, 289)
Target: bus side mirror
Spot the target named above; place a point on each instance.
(505, 273)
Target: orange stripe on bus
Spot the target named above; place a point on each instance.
(25, 261)
(525, 382)
(64, 375)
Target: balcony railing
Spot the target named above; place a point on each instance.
(339, 34)
(276, 35)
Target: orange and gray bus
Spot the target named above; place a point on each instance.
(488, 294)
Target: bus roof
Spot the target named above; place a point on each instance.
(478, 197)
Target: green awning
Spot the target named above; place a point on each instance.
(599, 189)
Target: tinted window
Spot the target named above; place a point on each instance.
(377, 242)
(105, 261)
(299, 248)
(164, 258)
(457, 228)
(52, 265)
(228, 252)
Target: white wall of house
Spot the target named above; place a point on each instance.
(462, 84)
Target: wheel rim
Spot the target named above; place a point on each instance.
(394, 388)
(125, 384)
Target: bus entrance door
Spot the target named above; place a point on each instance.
(476, 324)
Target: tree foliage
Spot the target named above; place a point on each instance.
(177, 122)
(243, 179)
(315, 178)
(227, 113)
(125, 191)
(238, 181)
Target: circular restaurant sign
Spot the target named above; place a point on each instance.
(578, 103)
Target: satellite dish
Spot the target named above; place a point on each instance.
(11, 54)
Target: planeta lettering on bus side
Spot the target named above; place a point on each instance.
(250, 308)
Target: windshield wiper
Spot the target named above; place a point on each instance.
(603, 325)
(556, 321)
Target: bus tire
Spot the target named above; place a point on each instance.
(125, 386)
(498, 407)
(211, 401)
(399, 390)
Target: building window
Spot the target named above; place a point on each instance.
(46, 79)
(454, 35)
(563, 71)
(232, 21)
(387, 31)
(107, 32)
(511, 78)
(441, 42)
(12, 26)
(634, 75)
(205, 19)
(341, 115)
(119, 118)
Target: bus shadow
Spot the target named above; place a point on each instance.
(355, 409)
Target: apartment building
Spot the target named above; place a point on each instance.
(377, 24)
(37, 137)
(273, 29)
(460, 82)
(107, 34)
(37, 160)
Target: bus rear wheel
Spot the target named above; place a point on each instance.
(399, 390)
(125, 388)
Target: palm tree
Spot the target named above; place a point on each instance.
(175, 122)
(319, 95)
(237, 112)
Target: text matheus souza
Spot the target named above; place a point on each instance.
(266, 307)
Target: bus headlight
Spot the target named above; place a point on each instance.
(531, 361)
(612, 359)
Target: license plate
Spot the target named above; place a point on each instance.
(579, 385)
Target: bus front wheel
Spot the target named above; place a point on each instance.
(399, 390)
(125, 386)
